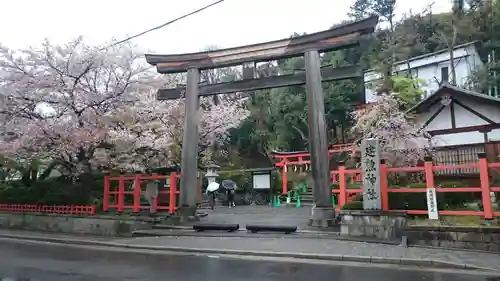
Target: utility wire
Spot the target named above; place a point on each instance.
(163, 25)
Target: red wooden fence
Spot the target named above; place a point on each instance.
(429, 169)
(115, 197)
(49, 209)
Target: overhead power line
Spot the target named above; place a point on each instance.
(163, 25)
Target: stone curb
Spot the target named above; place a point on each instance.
(330, 257)
(185, 228)
(242, 229)
(245, 234)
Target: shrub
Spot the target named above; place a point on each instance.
(86, 190)
(455, 199)
(349, 185)
(418, 200)
(412, 201)
(353, 205)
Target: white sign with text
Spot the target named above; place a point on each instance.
(261, 181)
(370, 165)
(432, 208)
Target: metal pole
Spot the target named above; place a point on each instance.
(189, 161)
(322, 213)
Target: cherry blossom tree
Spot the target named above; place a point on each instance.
(402, 142)
(57, 99)
(149, 133)
(79, 106)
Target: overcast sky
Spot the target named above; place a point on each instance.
(231, 23)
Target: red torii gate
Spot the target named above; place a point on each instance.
(300, 158)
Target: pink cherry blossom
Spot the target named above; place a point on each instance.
(87, 108)
(149, 133)
(403, 143)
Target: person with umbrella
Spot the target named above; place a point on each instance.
(152, 190)
(212, 193)
(230, 187)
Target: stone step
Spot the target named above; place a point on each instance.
(306, 203)
(303, 203)
(303, 195)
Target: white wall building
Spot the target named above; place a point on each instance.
(459, 117)
(433, 68)
(463, 123)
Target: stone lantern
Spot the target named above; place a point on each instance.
(212, 174)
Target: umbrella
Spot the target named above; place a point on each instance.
(213, 187)
(229, 184)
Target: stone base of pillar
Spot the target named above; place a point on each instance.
(322, 217)
(383, 225)
(188, 214)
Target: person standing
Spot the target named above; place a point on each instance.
(230, 197)
(213, 196)
(230, 187)
(151, 195)
(212, 189)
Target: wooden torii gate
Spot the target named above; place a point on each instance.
(285, 159)
(340, 37)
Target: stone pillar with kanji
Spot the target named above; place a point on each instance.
(370, 159)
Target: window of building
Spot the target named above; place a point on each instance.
(411, 73)
(444, 75)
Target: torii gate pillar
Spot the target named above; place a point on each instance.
(189, 161)
(322, 214)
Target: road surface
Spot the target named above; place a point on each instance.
(49, 262)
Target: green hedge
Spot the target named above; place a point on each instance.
(353, 205)
(418, 201)
(86, 190)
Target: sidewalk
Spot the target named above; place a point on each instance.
(275, 247)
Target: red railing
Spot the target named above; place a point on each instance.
(115, 197)
(355, 179)
(55, 209)
(428, 169)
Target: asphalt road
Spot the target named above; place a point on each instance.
(28, 261)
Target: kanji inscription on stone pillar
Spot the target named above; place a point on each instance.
(370, 164)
